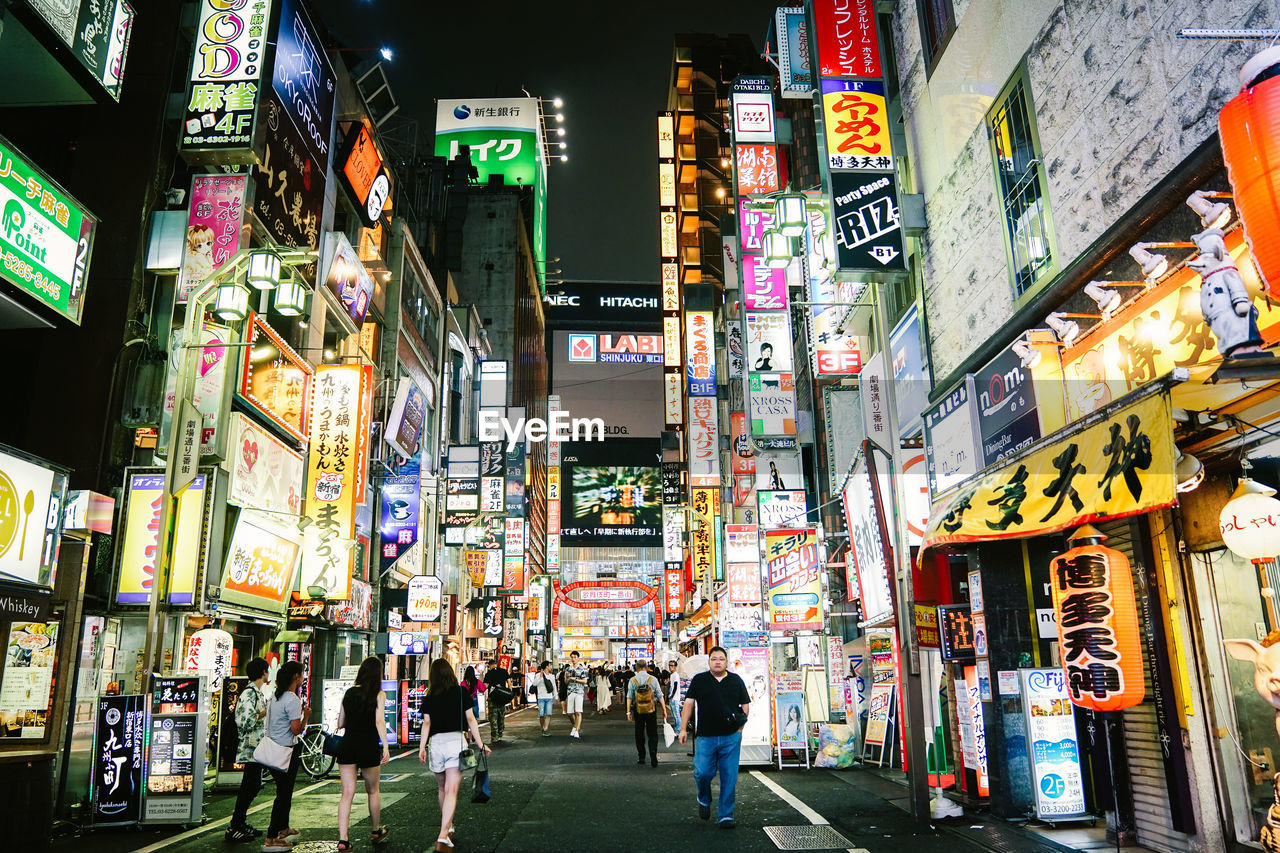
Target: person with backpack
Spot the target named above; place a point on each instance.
(544, 688)
(496, 678)
(364, 748)
(250, 718)
(644, 698)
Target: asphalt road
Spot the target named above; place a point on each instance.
(557, 794)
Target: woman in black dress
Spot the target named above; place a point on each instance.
(364, 746)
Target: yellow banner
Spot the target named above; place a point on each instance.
(142, 518)
(701, 541)
(1120, 466)
(336, 474)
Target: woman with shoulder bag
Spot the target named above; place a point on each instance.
(446, 714)
(364, 746)
(278, 751)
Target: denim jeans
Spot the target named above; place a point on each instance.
(717, 753)
(544, 707)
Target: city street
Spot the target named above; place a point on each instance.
(557, 794)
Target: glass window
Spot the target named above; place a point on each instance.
(937, 23)
(1021, 182)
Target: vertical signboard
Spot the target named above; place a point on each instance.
(175, 756)
(848, 45)
(225, 82)
(337, 467)
(700, 354)
(1052, 744)
(216, 214)
(141, 539)
(795, 72)
(303, 79)
(856, 116)
(115, 786)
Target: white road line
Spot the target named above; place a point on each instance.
(200, 830)
(790, 799)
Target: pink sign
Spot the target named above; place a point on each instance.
(763, 286)
(213, 228)
(754, 224)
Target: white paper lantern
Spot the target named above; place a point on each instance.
(1250, 522)
(209, 652)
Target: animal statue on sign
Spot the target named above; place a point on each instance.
(1224, 300)
(1265, 657)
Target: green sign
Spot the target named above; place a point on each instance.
(46, 237)
(505, 136)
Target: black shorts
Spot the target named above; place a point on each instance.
(362, 755)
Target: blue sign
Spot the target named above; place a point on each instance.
(1053, 745)
(398, 520)
(304, 80)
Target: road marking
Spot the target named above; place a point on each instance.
(200, 830)
(790, 799)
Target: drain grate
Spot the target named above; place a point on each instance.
(315, 846)
(820, 837)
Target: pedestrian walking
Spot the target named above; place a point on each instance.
(474, 688)
(287, 717)
(644, 699)
(604, 697)
(576, 681)
(251, 725)
(544, 689)
(365, 747)
(495, 679)
(445, 716)
(722, 702)
(562, 685)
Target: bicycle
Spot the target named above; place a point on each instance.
(314, 762)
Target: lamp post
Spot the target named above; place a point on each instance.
(231, 306)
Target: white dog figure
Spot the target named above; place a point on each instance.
(1266, 680)
(1224, 299)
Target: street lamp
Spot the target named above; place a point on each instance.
(264, 270)
(291, 296)
(791, 213)
(232, 300)
(777, 249)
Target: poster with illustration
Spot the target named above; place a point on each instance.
(788, 710)
(30, 657)
(213, 228)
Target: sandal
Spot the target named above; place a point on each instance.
(344, 846)
(379, 835)
(443, 845)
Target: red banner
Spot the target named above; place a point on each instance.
(848, 45)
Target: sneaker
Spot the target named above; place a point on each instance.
(728, 823)
(704, 812)
(256, 833)
(237, 833)
(546, 733)
(574, 734)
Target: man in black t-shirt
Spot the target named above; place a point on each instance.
(718, 696)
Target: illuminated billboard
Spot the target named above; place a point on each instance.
(612, 493)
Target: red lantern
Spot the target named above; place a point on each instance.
(1097, 624)
(1249, 126)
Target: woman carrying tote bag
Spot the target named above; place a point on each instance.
(278, 751)
(446, 714)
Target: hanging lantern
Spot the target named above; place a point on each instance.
(777, 249)
(232, 302)
(264, 270)
(290, 297)
(1250, 522)
(210, 652)
(791, 214)
(1249, 126)
(1093, 600)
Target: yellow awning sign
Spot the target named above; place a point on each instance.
(1121, 465)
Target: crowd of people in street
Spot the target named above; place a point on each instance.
(270, 720)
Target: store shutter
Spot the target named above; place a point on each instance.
(1141, 738)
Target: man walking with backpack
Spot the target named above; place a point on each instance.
(497, 677)
(644, 698)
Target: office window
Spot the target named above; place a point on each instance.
(1021, 183)
(937, 23)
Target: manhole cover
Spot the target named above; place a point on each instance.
(819, 837)
(315, 846)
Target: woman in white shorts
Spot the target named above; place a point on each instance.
(446, 714)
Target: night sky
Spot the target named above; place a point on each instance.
(610, 62)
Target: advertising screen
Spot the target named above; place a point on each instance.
(612, 493)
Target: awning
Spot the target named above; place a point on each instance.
(1114, 463)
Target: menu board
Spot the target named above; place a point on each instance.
(175, 695)
(171, 759)
(879, 714)
(1052, 743)
(26, 690)
(119, 735)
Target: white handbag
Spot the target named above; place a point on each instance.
(268, 753)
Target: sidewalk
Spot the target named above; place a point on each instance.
(986, 831)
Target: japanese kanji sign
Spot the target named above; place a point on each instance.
(756, 167)
(143, 511)
(700, 353)
(276, 380)
(1092, 588)
(848, 45)
(1118, 467)
(118, 763)
(215, 215)
(795, 584)
(261, 562)
(337, 465)
(857, 125)
(868, 223)
(795, 72)
(47, 237)
(288, 181)
(701, 543)
(704, 442)
(764, 287)
(771, 402)
(303, 79)
(226, 81)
